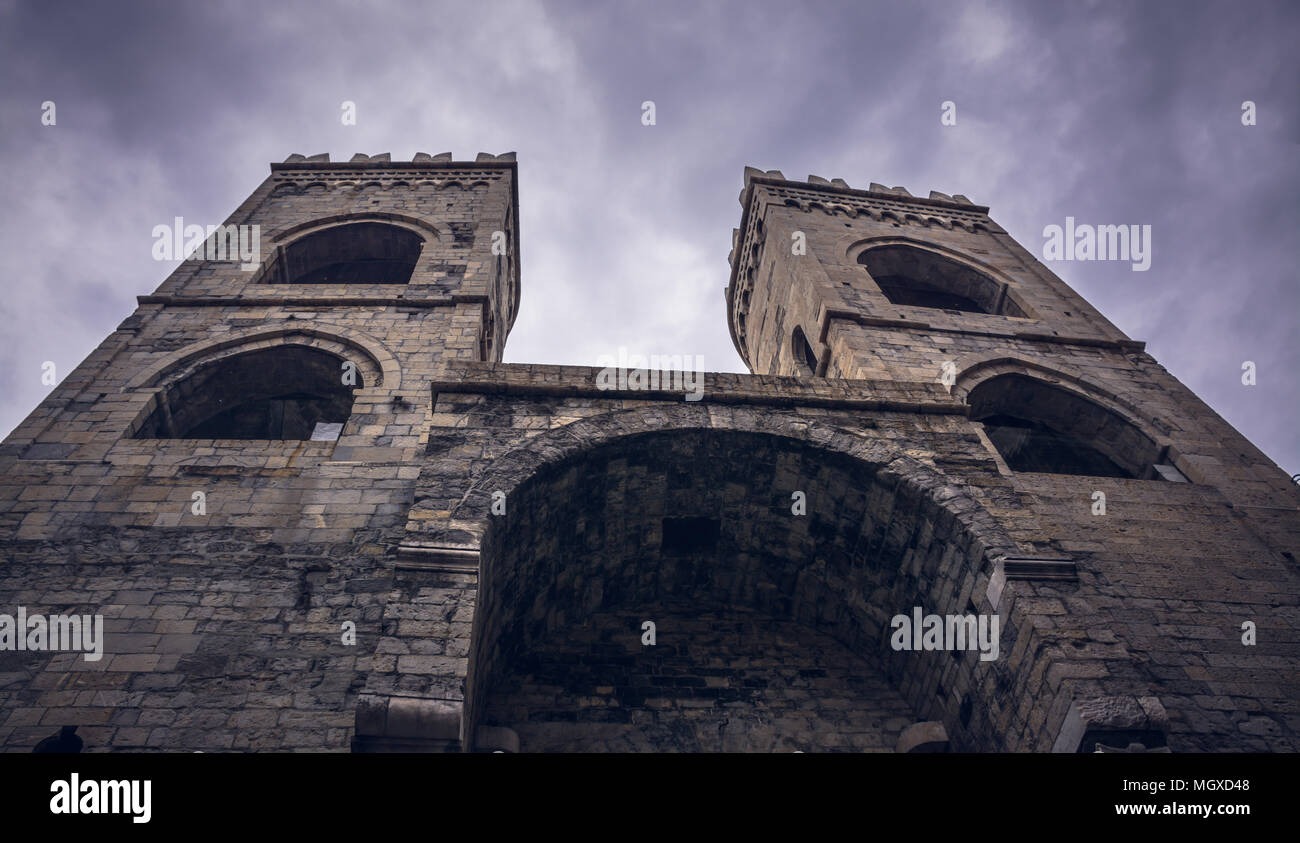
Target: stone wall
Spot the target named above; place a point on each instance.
(713, 682)
(227, 622)
(226, 569)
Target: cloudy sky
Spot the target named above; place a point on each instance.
(1110, 112)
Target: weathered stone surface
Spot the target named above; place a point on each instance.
(470, 564)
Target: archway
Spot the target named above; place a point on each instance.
(282, 392)
(912, 276)
(349, 253)
(1041, 427)
(770, 567)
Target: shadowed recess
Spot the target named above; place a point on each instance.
(920, 278)
(275, 393)
(1039, 427)
(358, 253)
(771, 624)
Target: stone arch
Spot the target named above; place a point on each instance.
(281, 262)
(166, 387)
(934, 542)
(283, 392)
(1062, 403)
(374, 361)
(989, 290)
(473, 509)
(351, 252)
(802, 353)
(974, 369)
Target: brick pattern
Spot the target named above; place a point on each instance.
(729, 682)
(1172, 570)
(213, 640)
(225, 629)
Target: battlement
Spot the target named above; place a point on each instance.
(384, 160)
(935, 199)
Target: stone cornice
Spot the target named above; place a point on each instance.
(1027, 336)
(308, 301)
(472, 377)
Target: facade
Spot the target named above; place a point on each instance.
(316, 512)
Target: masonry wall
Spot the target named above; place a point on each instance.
(1165, 580)
(729, 682)
(1173, 569)
(226, 628)
(225, 623)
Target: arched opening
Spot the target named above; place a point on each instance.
(286, 392)
(916, 277)
(356, 253)
(770, 610)
(1039, 427)
(805, 359)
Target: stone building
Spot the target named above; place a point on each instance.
(316, 512)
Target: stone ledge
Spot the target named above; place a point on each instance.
(1028, 568)
(395, 724)
(927, 736)
(974, 330)
(472, 377)
(307, 301)
(1040, 568)
(413, 556)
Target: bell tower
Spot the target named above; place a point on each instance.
(239, 456)
(848, 277)
(878, 284)
(327, 298)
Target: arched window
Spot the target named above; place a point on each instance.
(286, 392)
(1036, 426)
(805, 359)
(357, 253)
(916, 277)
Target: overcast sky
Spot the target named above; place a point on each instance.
(1110, 112)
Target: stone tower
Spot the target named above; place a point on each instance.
(233, 453)
(316, 512)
